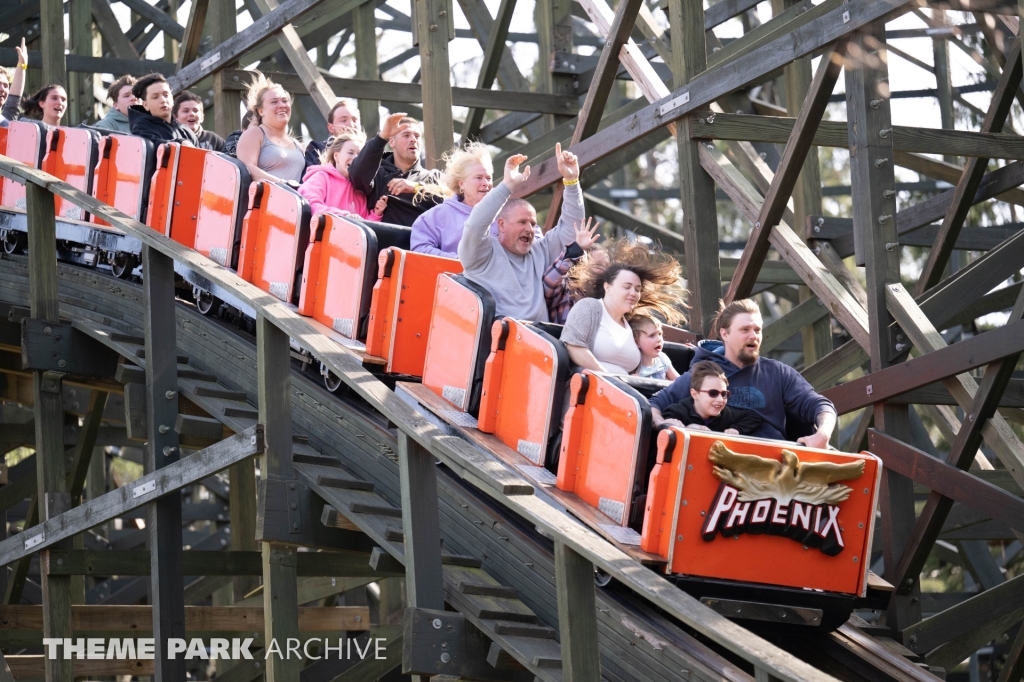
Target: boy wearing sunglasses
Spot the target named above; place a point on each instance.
(706, 408)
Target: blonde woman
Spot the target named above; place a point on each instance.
(465, 181)
(267, 149)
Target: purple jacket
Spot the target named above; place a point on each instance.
(439, 230)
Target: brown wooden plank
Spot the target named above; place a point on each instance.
(921, 371)
(788, 172)
(999, 108)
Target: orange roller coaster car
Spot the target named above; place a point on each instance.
(459, 341)
(759, 511)
(26, 142)
(71, 157)
(120, 180)
(605, 439)
(401, 308)
(523, 388)
(274, 239)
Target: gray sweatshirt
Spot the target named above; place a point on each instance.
(515, 281)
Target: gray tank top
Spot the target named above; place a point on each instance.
(286, 164)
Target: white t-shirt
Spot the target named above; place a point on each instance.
(614, 346)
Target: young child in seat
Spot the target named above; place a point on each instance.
(328, 188)
(654, 364)
(706, 408)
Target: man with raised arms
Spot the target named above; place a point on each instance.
(511, 266)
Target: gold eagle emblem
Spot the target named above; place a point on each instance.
(760, 477)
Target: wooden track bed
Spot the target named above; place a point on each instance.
(465, 425)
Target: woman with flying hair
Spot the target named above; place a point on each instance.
(267, 149)
(637, 280)
(465, 181)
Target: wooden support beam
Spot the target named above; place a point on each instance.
(874, 210)
(278, 484)
(494, 51)
(577, 616)
(111, 30)
(81, 87)
(905, 139)
(364, 32)
(481, 24)
(413, 93)
(919, 330)
(600, 87)
(340, 563)
(961, 357)
(803, 315)
(163, 525)
(193, 35)
(116, 503)
(948, 480)
(434, 28)
(553, 19)
(788, 172)
(812, 271)
(1002, 97)
(710, 86)
(981, 408)
(227, 103)
(51, 33)
(158, 18)
(191, 72)
(696, 186)
(322, 94)
(424, 579)
(51, 485)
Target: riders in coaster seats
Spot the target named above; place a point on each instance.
(274, 239)
(750, 510)
(523, 388)
(26, 142)
(123, 172)
(71, 157)
(459, 341)
(604, 447)
(401, 306)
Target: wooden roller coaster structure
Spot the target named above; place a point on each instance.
(357, 478)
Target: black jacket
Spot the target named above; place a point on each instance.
(744, 421)
(145, 124)
(371, 172)
(313, 151)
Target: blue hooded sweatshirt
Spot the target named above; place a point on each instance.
(774, 390)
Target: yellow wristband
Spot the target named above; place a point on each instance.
(24, 66)
(570, 182)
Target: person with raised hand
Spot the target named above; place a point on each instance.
(399, 174)
(512, 265)
(12, 87)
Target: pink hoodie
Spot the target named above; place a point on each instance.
(326, 189)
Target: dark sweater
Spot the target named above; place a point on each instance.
(744, 421)
(371, 172)
(774, 390)
(313, 151)
(210, 140)
(145, 124)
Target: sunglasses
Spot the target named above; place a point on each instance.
(714, 393)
